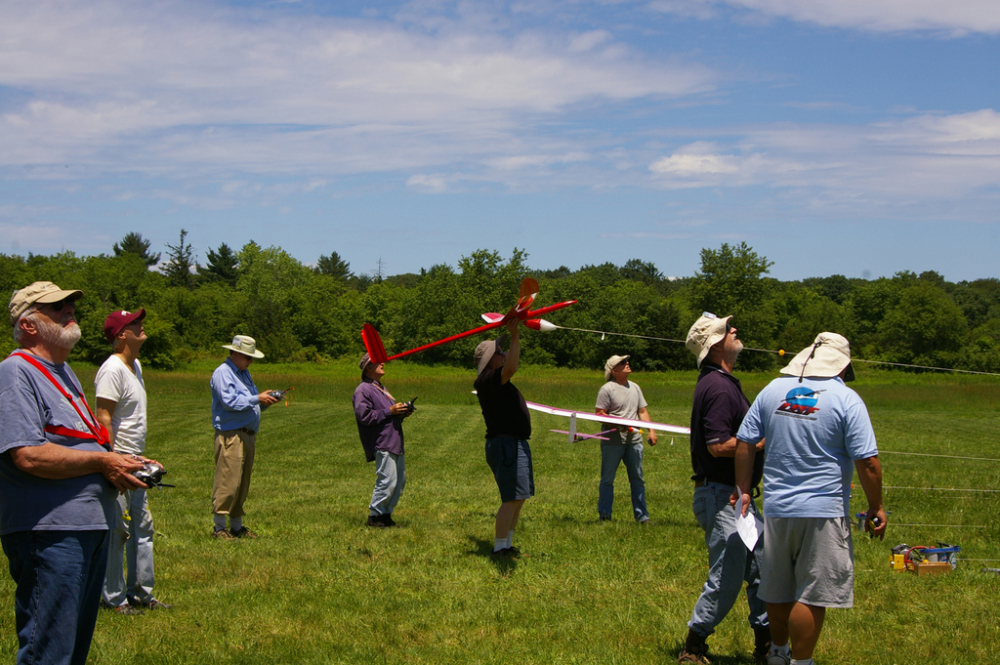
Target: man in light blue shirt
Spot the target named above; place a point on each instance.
(818, 432)
(236, 407)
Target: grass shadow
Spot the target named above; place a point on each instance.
(484, 548)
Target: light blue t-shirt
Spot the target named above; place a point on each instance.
(28, 403)
(815, 432)
(235, 399)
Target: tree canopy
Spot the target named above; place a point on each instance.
(301, 313)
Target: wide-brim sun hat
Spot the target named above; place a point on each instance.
(44, 293)
(485, 351)
(706, 332)
(825, 358)
(612, 362)
(245, 345)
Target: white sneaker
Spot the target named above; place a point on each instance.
(779, 656)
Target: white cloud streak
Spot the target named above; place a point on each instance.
(153, 86)
(951, 17)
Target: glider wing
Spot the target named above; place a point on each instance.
(609, 420)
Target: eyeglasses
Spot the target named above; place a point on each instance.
(728, 327)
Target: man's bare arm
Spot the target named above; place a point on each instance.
(870, 474)
(59, 462)
(106, 409)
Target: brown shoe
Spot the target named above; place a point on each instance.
(223, 534)
(689, 657)
(245, 533)
(695, 650)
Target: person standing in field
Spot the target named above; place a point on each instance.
(121, 408)
(622, 398)
(818, 433)
(380, 425)
(508, 428)
(58, 482)
(716, 413)
(236, 408)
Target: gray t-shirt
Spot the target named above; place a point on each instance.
(28, 403)
(623, 402)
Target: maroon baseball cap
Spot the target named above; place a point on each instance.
(118, 320)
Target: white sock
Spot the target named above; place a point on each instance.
(801, 661)
(780, 648)
(235, 524)
(220, 522)
(510, 538)
(499, 544)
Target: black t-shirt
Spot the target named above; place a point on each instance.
(718, 410)
(503, 406)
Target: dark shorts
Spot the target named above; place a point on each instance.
(510, 460)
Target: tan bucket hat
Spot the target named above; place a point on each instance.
(245, 345)
(825, 358)
(706, 332)
(45, 293)
(486, 350)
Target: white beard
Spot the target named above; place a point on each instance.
(61, 336)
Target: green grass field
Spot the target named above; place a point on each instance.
(320, 587)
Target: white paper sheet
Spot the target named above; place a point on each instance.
(749, 526)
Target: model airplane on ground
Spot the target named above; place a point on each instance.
(607, 420)
(529, 290)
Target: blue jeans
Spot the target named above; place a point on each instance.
(58, 576)
(611, 457)
(390, 478)
(134, 538)
(729, 562)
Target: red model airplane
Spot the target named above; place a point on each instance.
(529, 289)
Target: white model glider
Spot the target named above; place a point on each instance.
(608, 420)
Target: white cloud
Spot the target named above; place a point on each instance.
(928, 159)
(682, 164)
(956, 17)
(160, 86)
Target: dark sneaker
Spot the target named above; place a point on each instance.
(245, 533)
(375, 521)
(506, 554)
(124, 609)
(387, 520)
(223, 534)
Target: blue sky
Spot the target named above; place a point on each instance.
(856, 137)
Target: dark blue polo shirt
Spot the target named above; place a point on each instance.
(718, 410)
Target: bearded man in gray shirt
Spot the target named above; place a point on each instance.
(622, 398)
(58, 481)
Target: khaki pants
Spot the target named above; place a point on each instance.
(234, 452)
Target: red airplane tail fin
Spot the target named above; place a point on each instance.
(373, 344)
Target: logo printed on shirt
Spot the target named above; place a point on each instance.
(800, 402)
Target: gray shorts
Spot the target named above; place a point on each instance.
(510, 460)
(808, 559)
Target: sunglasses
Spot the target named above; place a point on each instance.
(58, 306)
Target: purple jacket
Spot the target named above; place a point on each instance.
(379, 429)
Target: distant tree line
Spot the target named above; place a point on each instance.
(302, 313)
